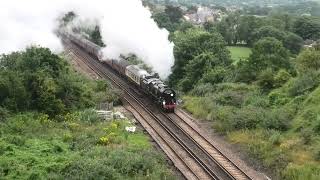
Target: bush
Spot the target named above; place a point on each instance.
(306, 135)
(281, 77)
(278, 98)
(257, 100)
(233, 94)
(89, 115)
(308, 60)
(266, 80)
(301, 172)
(230, 98)
(202, 90)
(215, 75)
(278, 119)
(269, 79)
(198, 106)
(4, 114)
(275, 138)
(304, 83)
(230, 118)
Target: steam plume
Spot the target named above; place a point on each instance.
(126, 27)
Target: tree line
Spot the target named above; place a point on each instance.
(38, 80)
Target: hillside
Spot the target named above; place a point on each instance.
(49, 130)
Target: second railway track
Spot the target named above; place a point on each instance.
(191, 152)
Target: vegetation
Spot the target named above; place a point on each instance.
(38, 80)
(33, 146)
(199, 44)
(269, 102)
(169, 19)
(49, 131)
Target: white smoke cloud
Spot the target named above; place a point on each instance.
(126, 27)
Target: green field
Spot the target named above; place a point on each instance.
(238, 53)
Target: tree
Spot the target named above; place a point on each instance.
(192, 43)
(307, 27)
(266, 53)
(290, 40)
(67, 18)
(247, 26)
(96, 37)
(37, 79)
(228, 28)
(14, 95)
(163, 21)
(174, 13)
(293, 42)
(285, 19)
(275, 22)
(268, 31)
(170, 19)
(205, 67)
(184, 26)
(308, 60)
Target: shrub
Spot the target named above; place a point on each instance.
(16, 140)
(275, 138)
(215, 75)
(198, 106)
(230, 98)
(235, 87)
(308, 60)
(266, 80)
(202, 90)
(316, 125)
(304, 83)
(316, 152)
(89, 115)
(233, 94)
(261, 147)
(257, 100)
(230, 118)
(301, 172)
(278, 98)
(306, 135)
(281, 77)
(4, 114)
(278, 119)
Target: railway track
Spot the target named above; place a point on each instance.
(213, 152)
(190, 151)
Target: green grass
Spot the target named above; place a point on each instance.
(239, 53)
(35, 147)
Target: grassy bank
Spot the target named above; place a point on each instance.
(277, 129)
(32, 146)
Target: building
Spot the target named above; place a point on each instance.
(204, 14)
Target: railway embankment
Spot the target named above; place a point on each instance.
(49, 130)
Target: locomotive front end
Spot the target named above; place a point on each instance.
(169, 100)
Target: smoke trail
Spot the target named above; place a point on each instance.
(126, 27)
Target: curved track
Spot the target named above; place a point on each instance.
(191, 152)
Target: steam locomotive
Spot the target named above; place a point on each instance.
(151, 85)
